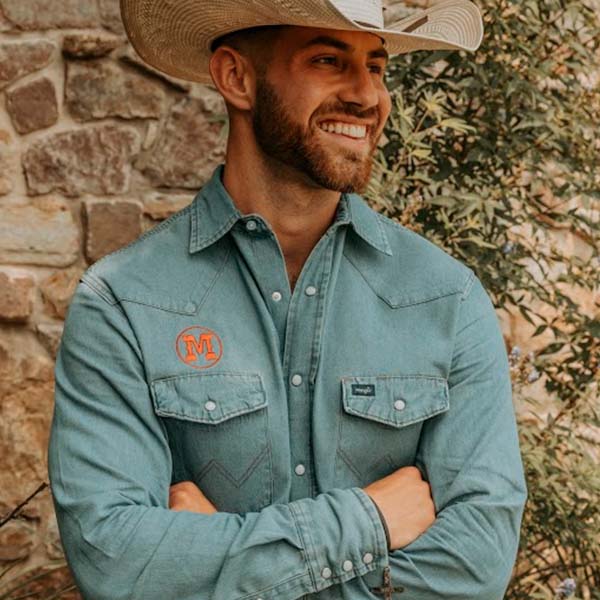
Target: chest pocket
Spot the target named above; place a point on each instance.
(218, 431)
(380, 423)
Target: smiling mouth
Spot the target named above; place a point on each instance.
(348, 130)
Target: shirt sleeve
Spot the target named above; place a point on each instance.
(110, 468)
(471, 458)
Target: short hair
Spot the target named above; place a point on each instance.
(250, 35)
(255, 42)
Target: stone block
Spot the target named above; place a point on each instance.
(33, 106)
(110, 226)
(100, 88)
(49, 335)
(16, 301)
(18, 59)
(41, 233)
(161, 206)
(110, 15)
(57, 290)
(8, 163)
(51, 14)
(129, 56)
(187, 149)
(95, 160)
(26, 401)
(16, 540)
(89, 45)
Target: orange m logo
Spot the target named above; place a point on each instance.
(198, 347)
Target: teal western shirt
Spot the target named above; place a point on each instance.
(185, 357)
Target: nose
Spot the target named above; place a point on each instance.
(360, 88)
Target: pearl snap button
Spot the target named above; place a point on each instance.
(347, 566)
(300, 469)
(251, 225)
(399, 404)
(326, 572)
(367, 558)
(310, 290)
(210, 405)
(276, 296)
(296, 379)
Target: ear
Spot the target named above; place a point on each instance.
(233, 76)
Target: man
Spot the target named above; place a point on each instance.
(278, 393)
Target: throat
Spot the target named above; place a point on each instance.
(293, 278)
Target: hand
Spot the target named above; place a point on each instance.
(186, 495)
(406, 503)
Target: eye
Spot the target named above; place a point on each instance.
(377, 69)
(326, 60)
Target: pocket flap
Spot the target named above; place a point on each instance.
(396, 400)
(208, 398)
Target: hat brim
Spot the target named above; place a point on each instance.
(175, 36)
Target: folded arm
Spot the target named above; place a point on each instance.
(110, 468)
(471, 458)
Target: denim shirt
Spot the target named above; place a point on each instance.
(185, 356)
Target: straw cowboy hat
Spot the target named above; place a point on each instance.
(175, 36)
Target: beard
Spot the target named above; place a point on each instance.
(282, 138)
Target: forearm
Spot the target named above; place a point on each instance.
(110, 467)
(279, 552)
(464, 555)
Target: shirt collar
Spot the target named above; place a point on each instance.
(214, 213)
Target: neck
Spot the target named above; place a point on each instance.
(298, 211)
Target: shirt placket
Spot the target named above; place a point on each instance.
(262, 262)
(303, 332)
(298, 318)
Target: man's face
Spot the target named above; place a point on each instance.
(322, 104)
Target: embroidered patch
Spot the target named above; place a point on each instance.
(199, 347)
(363, 389)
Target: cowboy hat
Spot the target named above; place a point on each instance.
(175, 36)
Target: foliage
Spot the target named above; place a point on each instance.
(494, 156)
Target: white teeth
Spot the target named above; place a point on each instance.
(355, 131)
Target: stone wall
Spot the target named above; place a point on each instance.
(95, 148)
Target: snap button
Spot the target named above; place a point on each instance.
(347, 565)
(399, 404)
(326, 572)
(300, 469)
(276, 296)
(367, 558)
(210, 405)
(251, 225)
(311, 290)
(296, 379)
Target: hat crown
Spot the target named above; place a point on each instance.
(365, 12)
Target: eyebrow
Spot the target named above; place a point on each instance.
(326, 40)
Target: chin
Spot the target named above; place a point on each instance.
(347, 177)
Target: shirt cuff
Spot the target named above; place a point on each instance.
(342, 535)
(385, 527)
